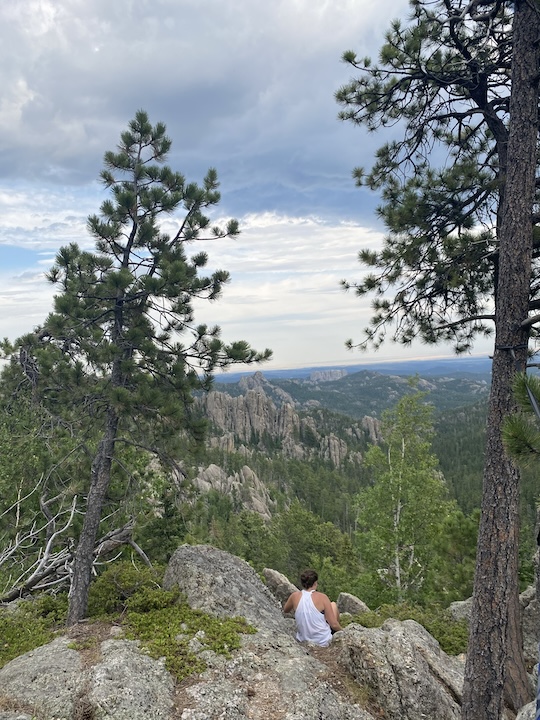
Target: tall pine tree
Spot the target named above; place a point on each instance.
(121, 348)
(460, 259)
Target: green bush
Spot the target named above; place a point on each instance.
(167, 632)
(30, 624)
(451, 634)
(111, 591)
(164, 625)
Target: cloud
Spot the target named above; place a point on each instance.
(243, 85)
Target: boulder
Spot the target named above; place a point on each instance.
(272, 677)
(461, 609)
(404, 670)
(279, 585)
(528, 712)
(49, 677)
(53, 680)
(128, 684)
(350, 604)
(221, 584)
(530, 623)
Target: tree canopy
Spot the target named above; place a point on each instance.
(459, 200)
(402, 512)
(441, 90)
(121, 351)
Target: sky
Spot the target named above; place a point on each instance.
(245, 86)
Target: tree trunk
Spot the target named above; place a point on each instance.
(84, 555)
(495, 655)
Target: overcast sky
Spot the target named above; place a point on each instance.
(245, 86)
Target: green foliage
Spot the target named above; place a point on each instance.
(399, 516)
(303, 540)
(111, 592)
(441, 178)
(29, 625)
(167, 631)
(521, 430)
(164, 625)
(451, 572)
(451, 634)
(458, 437)
(121, 352)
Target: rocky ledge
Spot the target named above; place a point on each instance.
(395, 671)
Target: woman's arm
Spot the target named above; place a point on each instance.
(330, 615)
(289, 603)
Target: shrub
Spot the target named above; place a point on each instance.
(164, 625)
(30, 624)
(111, 591)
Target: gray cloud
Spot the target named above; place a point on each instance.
(243, 85)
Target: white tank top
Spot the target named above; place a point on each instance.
(310, 622)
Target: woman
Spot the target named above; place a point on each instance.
(317, 619)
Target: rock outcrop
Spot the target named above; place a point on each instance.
(279, 585)
(244, 485)
(530, 621)
(404, 668)
(259, 420)
(327, 375)
(54, 683)
(217, 582)
(350, 604)
(395, 671)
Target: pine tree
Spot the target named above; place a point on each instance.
(459, 196)
(121, 350)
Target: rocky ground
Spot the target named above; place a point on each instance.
(94, 673)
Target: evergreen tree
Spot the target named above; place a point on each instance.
(460, 256)
(121, 349)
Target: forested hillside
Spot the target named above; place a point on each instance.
(281, 480)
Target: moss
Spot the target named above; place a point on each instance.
(167, 632)
(161, 620)
(451, 634)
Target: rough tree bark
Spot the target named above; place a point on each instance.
(84, 555)
(495, 657)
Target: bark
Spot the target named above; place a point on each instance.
(495, 668)
(84, 555)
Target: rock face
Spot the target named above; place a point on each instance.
(326, 375)
(266, 414)
(219, 583)
(244, 485)
(404, 667)
(49, 677)
(124, 684)
(396, 671)
(279, 585)
(348, 603)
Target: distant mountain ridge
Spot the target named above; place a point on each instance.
(367, 392)
(426, 367)
(329, 416)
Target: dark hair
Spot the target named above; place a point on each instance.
(308, 578)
